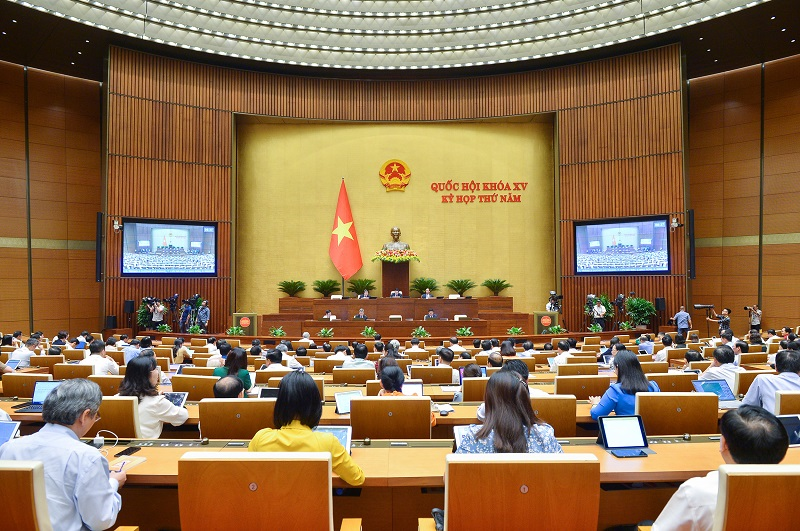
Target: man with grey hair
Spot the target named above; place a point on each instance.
(24, 353)
(290, 361)
(306, 339)
(81, 492)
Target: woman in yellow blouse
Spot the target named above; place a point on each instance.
(298, 410)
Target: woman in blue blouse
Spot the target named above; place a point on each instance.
(511, 426)
(621, 396)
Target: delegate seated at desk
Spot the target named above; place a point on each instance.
(621, 396)
(328, 316)
(361, 315)
(430, 315)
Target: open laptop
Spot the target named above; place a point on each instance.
(343, 433)
(8, 430)
(343, 401)
(177, 398)
(791, 423)
(623, 436)
(183, 366)
(719, 388)
(13, 364)
(413, 389)
(40, 391)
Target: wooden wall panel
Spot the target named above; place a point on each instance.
(170, 131)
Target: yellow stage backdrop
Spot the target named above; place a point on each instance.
(288, 178)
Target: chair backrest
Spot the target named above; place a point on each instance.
(752, 357)
(773, 348)
(46, 361)
(168, 340)
(644, 358)
(163, 352)
(744, 379)
(391, 417)
(590, 348)
(623, 338)
(699, 365)
(4, 356)
(198, 371)
(677, 382)
(432, 375)
(581, 359)
(569, 499)
(23, 482)
(654, 366)
(353, 376)
(233, 342)
(559, 411)
(462, 362)
(787, 402)
(575, 369)
(482, 359)
(582, 386)
(198, 387)
(374, 386)
(591, 340)
(418, 356)
(109, 383)
(67, 371)
(198, 342)
(305, 361)
(72, 354)
(676, 354)
(529, 362)
(199, 350)
(116, 355)
(263, 377)
(678, 413)
(235, 418)
(474, 389)
(541, 357)
(268, 481)
(769, 491)
(22, 384)
(119, 415)
(163, 364)
(325, 366)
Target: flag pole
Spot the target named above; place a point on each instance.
(342, 277)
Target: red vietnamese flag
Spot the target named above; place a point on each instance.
(344, 251)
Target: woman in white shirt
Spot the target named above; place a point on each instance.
(141, 378)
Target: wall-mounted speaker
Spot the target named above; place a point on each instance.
(128, 307)
(111, 321)
(661, 304)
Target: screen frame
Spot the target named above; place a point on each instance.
(611, 221)
(126, 221)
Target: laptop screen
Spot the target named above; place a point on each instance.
(42, 388)
(623, 432)
(343, 433)
(718, 387)
(7, 431)
(791, 424)
(413, 389)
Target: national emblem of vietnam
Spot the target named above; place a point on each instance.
(395, 175)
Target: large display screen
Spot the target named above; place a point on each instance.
(168, 248)
(626, 245)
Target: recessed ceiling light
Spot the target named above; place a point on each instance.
(772, 18)
(784, 29)
(87, 40)
(72, 63)
(80, 53)
(794, 40)
(701, 38)
(4, 33)
(716, 60)
(14, 21)
(708, 50)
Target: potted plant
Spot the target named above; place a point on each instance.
(515, 331)
(626, 325)
(640, 311)
(420, 332)
(464, 331)
(420, 284)
(358, 285)
(555, 329)
(195, 329)
(235, 331)
(595, 328)
(276, 331)
(369, 331)
(291, 287)
(327, 287)
(461, 285)
(325, 332)
(496, 285)
(164, 328)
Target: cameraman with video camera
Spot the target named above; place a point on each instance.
(755, 317)
(157, 310)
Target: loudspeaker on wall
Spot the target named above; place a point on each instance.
(661, 304)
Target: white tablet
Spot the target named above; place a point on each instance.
(8, 430)
(343, 401)
(343, 433)
(179, 399)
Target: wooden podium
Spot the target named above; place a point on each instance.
(394, 276)
(543, 320)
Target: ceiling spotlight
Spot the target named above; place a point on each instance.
(80, 53)
(793, 40)
(87, 40)
(716, 60)
(14, 21)
(708, 50)
(784, 29)
(72, 63)
(701, 38)
(772, 17)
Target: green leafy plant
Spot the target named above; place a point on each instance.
(496, 285)
(420, 284)
(626, 325)
(606, 302)
(358, 285)
(461, 285)
(515, 331)
(327, 287)
(594, 327)
(369, 331)
(195, 329)
(420, 332)
(325, 332)
(640, 311)
(164, 328)
(464, 331)
(555, 329)
(143, 316)
(276, 331)
(291, 287)
(235, 331)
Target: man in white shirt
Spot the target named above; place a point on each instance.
(81, 492)
(217, 359)
(445, 359)
(563, 353)
(495, 344)
(749, 435)
(24, 353)
(414, 346)
(454, 346)
(341, 353)
(103, 364)
(527, 350)
(290, 361)
(306, 339)
(599, 313)
(273, 361)
(359, 359)
(661, 355)
(123, 341)
(762, 391)
(722, 366)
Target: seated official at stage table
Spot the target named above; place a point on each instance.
(81, 492)
(430, 315)
(396, 294)
(427, 294)
(621, 396)
(511, 426)
(749, 436)
(298, 410)
(361, 315)
(364, 295)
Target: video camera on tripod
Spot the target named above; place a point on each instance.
(555, 302)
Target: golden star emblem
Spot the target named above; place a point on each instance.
(342, 230)
(395, 167)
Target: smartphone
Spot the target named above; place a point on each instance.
(128, 451)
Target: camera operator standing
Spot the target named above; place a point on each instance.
(157, 309)
(755, 317)
(186, 312)
(204, 316)
(599, 313)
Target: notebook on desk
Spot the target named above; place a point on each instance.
(623, 436)
(719, 388)
(41, 389)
